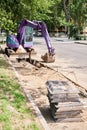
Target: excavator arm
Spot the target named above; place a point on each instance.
(41, 26)
(38, 25)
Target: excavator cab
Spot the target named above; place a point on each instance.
(28, 37)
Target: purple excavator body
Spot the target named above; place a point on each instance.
(14, 41)
(25, 38)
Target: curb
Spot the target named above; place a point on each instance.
(81, 43)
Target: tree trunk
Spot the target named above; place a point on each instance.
(66, 3)
(65, 9)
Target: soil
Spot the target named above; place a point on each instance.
(34, 79)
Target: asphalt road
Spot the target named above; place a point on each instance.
(71, 58)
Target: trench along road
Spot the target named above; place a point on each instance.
(33, 77)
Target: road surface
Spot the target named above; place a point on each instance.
(71, 58)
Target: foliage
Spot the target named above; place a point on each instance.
(5, 21)
(55, 13)
(78, 12)
(74, 32)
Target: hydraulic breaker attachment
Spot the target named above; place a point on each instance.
(48, 58)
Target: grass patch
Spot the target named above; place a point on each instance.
(14, 112)
(33, 126)
(5, 116)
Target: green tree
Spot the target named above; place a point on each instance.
(6, 22)
(78, 12)
(21, 9)
(54, 12)
(75, 13)
(78, 16)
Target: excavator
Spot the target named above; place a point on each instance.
(24, 38)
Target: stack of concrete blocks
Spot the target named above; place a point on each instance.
(64, 101)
